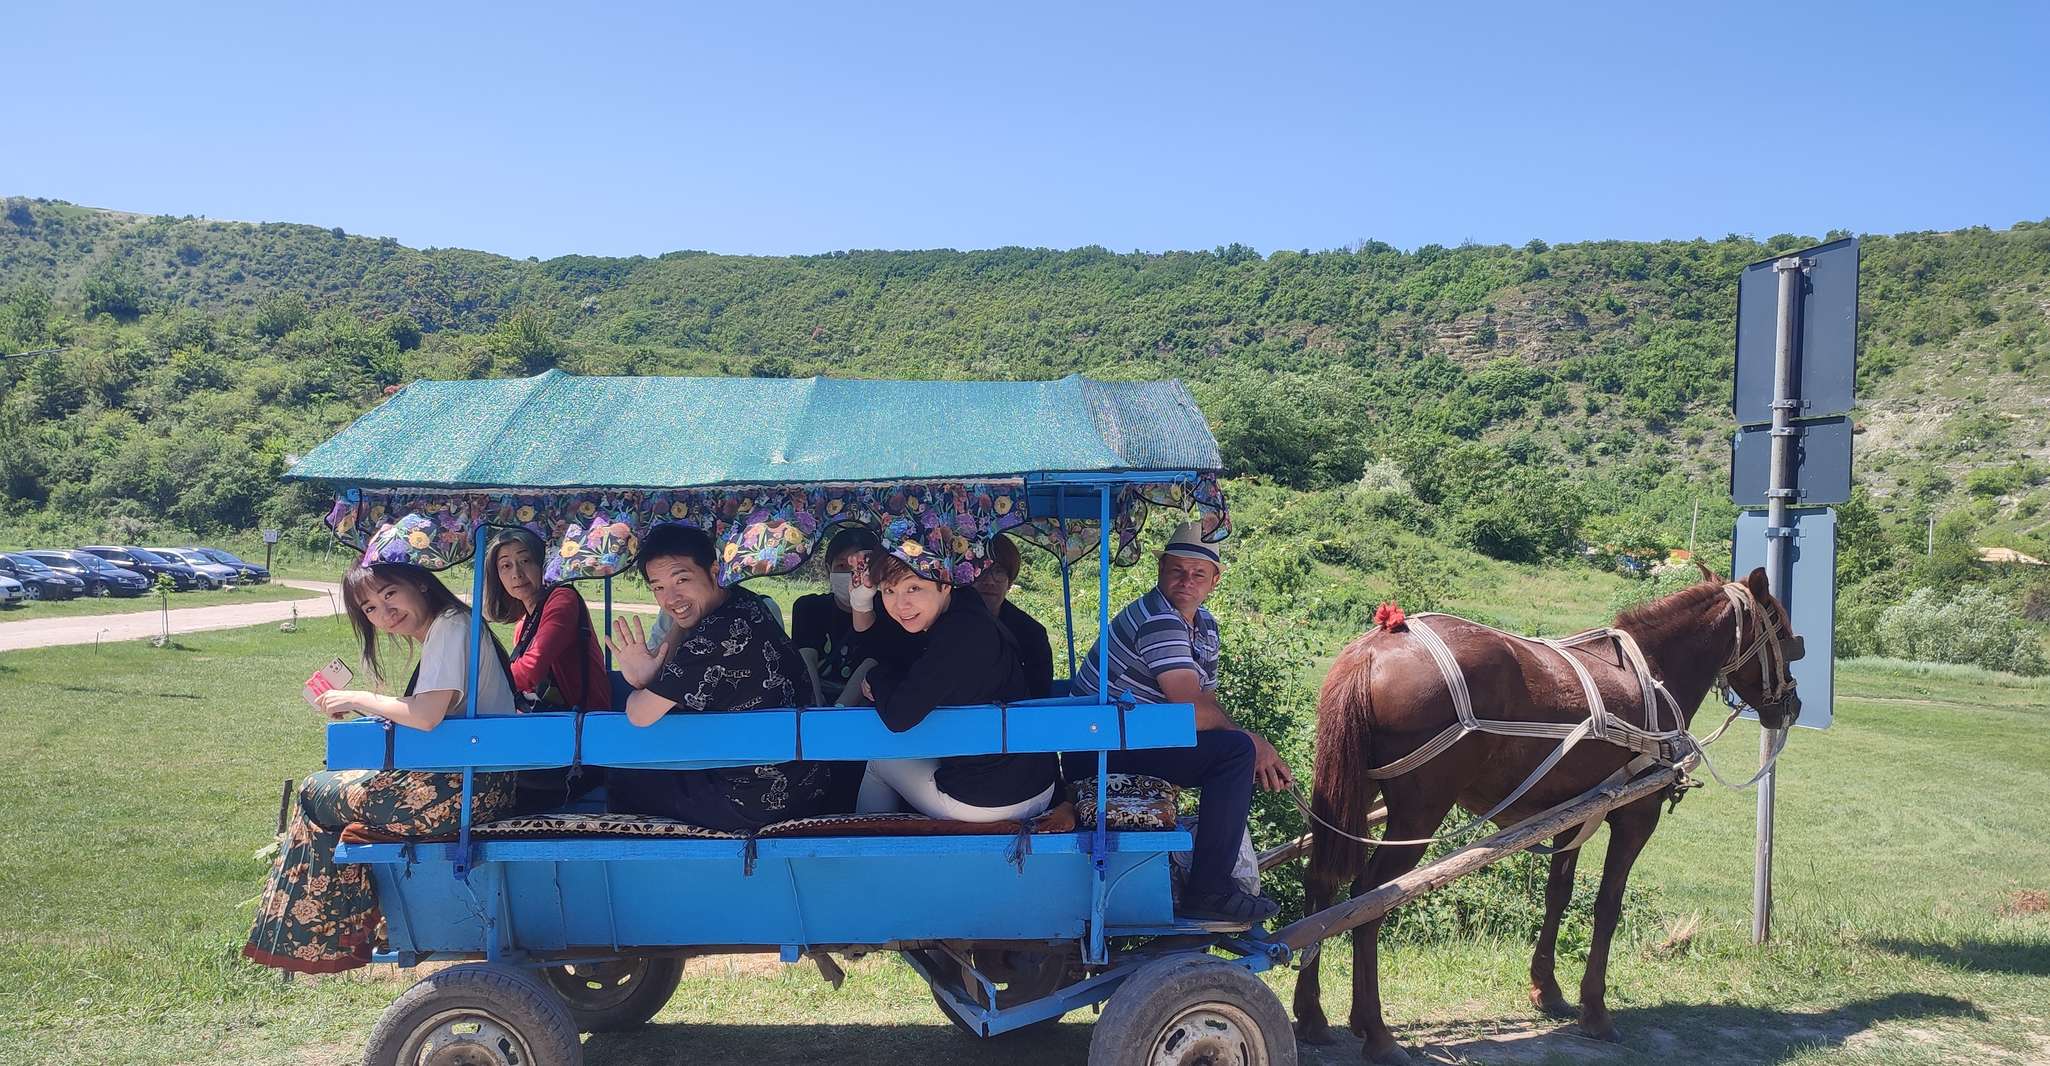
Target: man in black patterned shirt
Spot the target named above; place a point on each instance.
(728, 654)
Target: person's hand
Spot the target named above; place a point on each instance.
(629, 644)
(336, 703)
(861, 596)
(1269, 772)
(867, 693)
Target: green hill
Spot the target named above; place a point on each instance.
(1523, 399)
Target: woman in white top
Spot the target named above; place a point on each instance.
(320, 917)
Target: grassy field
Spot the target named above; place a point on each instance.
(91, 605)
(138, 784)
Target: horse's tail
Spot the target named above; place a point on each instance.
(1343, 793)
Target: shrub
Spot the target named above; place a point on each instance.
(1975, 626)
(1262, 680)
(1507, 899)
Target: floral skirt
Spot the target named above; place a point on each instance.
(321, 917)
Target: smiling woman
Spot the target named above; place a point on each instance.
(965, 659)
(555, 661)
(318, 916)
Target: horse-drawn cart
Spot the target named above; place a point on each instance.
(582, 928)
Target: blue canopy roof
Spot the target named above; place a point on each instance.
(561, 431)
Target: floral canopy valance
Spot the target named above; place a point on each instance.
(942, 529)
(767, 466)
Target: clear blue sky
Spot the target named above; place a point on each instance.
(773, 128)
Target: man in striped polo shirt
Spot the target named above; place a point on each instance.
(1164, 649)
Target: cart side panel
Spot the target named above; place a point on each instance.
(582, 894)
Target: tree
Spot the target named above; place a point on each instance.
(280, 315)
(25, 316)
(404, 330)
(115, 292)
(522, 345)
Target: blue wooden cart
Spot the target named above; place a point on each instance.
(577, 933)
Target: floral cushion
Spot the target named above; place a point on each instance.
(1136, 802)
(601, 825)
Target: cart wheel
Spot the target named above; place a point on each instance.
(476, 1014)
(614, 996)
(1192, 1010)
(1020, 977)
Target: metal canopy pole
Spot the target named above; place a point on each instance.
(1785, 404)
(476, 651)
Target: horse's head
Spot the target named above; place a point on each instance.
(1760, 667)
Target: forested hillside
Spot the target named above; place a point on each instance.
(1519, 401)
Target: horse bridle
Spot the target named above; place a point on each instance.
(1776, 652)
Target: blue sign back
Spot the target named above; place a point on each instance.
(1822, 463)
(1810, 599)
(1826, 361)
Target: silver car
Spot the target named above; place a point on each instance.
(222, 575)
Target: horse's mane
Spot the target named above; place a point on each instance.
(1660, 616)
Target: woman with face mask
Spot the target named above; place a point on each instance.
(967, 659)
(823, 625)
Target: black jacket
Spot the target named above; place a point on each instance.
(968, 659)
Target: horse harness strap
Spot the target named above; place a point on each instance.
(1601, 723)
(1654, 746)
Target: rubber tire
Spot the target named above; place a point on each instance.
(652, 987)
(103, 590)
(510, 996)
(34, 592)
(943, 963)
(1142, 1008)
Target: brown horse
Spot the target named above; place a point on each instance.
(1386, 698)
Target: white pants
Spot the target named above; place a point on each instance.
(890, 784)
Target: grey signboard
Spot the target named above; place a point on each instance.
(1810, 599)
(1825, 358)
(1821, 458)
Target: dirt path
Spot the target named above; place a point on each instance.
(323, 600)
(142, 625)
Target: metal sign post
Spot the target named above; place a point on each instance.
(1784, 404)
(1806, 305)
(270, 540)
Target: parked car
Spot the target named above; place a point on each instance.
(39, 581)
(100, 577)
(251, 572)
(11, 591)
(218, 573)
(149, 565)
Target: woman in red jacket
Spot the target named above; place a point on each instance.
(556, 661)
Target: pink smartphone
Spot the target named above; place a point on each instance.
(332, 676)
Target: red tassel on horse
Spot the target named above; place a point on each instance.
(1389, 616)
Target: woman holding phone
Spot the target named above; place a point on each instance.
(318, 916)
